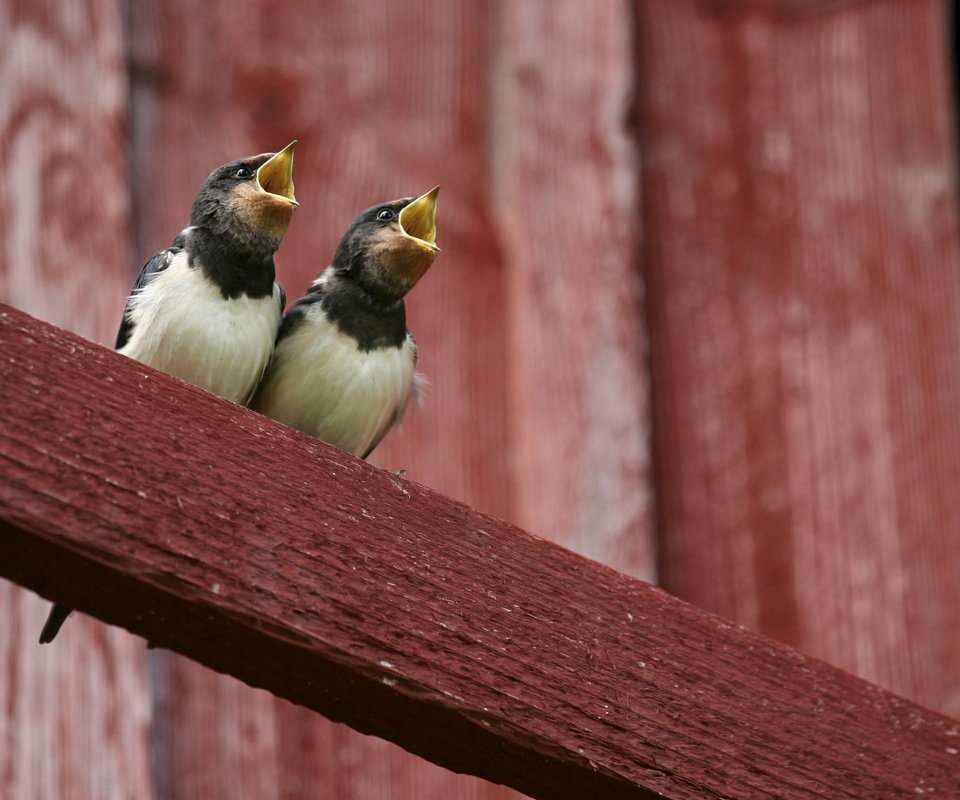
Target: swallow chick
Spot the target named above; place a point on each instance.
(344, 366)
(207, 309)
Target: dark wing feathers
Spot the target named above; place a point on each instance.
(298, 310)
(153, 267)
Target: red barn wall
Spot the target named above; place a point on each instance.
(801, 220)
(697, 295)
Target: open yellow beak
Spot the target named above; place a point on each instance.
(419, 219)
(276, 176)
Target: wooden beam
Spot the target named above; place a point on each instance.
(365, 596)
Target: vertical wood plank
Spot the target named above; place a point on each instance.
(387, 99)
(74, 720)
(64, 252)
(801, 209)
(567, 193)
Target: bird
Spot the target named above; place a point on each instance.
(344, 366)
(207, 309)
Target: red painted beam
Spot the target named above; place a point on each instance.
(267, 555)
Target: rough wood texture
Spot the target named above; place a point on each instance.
(801, 216)
(382, 604)
(73, 719)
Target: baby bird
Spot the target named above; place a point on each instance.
(343, 369)
(206, 309)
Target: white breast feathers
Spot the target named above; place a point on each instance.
(323, 384)
(184, 326)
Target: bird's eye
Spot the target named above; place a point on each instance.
(385, 214)
(243, 172)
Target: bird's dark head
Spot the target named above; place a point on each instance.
(390, 246)
(250, 199)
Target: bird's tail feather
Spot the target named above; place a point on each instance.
(58, 615)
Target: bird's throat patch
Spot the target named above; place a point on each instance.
(403, 260)
(265, 213)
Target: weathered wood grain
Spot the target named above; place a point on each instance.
(566, 192)
(406, 614)
(387, 99)
(73, 719)
(801, 251)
